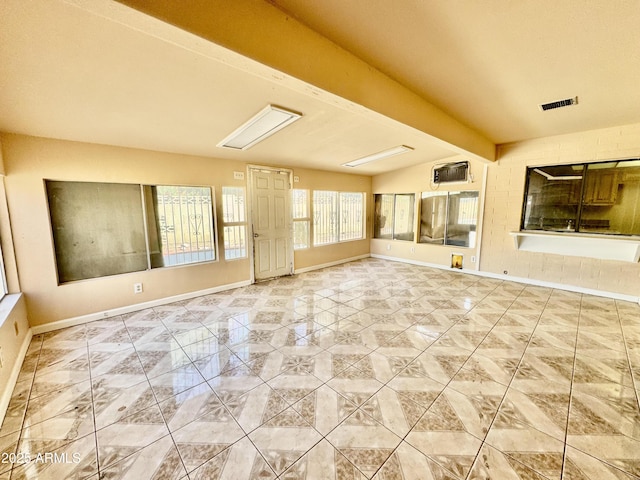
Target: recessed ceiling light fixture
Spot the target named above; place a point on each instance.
(558, 104)
(267, 122)
(379, 156)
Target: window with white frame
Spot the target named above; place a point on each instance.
(467, 209)
(351, 206)
(449, 218)
(3, 277)
(394, 216)
(4, 290)
(301, 218)
(234, 220)
(325, 217)
(337, 217)
(601, 198)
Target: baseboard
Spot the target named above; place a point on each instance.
(528, 281)
(330, 264)
(7, 390)
(562, 286)
(423, 264)
(91, 317)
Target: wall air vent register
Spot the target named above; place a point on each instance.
(451, 172)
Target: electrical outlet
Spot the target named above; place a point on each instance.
(413, 249)
(473, 259)
(389, 246)
(16, 328)
(137, 288)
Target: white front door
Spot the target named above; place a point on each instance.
(271, 222)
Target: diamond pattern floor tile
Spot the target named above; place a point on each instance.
(283, 439)
(240, 460)
(77, 459)
(491, 464)
(364, 442)
(156, 461)
(130, 434)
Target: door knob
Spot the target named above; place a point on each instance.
(255, 235)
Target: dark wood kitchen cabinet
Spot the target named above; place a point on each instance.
(601, 188)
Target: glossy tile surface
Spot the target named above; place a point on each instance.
(367, 370)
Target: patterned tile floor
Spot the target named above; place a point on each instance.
(371, 369)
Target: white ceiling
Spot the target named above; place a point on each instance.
(97, 71)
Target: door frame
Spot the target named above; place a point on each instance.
(251, 247)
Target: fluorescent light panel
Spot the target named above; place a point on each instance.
(562, 177)
(379, 156)
(267, 122)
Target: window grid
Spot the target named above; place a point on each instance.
(325, 212)
(351, 216)
(234, 223)
(337, 217)
(233, 205)
(467, 213)
(301, 218)
(186, 224)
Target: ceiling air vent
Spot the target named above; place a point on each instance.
(451, 172)
(559, 104)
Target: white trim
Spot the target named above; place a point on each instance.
(528, 281)
(390, 152)
(331, 264)
(91, 317)
(3, 273)
(480, 221)
(5, 395)
(261, 129)
(238, 223)
(604, 247)
(250, 190)
(145, 222)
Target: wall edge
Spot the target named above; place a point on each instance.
(527, 281)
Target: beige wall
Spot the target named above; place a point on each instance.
(505, 188)
(12, 313)
(503, 209)
(417, 180)
(6, 240)
(29, 160)
(1, 160)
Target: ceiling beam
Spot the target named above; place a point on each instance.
(260, 31)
